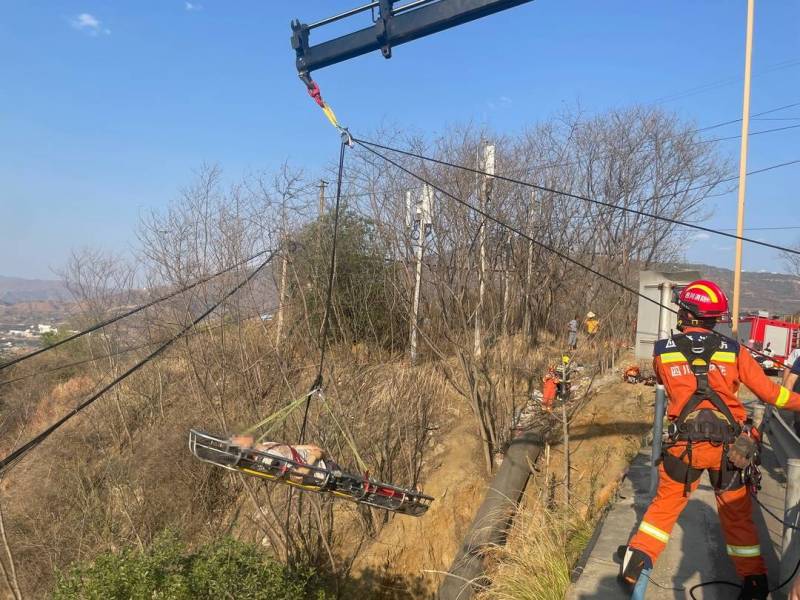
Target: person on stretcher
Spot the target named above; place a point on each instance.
(304, 454)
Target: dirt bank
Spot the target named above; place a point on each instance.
(409, 556)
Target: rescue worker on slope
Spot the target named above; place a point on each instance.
(702, 371)
(549, 388)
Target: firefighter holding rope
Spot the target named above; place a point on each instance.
(708, 431)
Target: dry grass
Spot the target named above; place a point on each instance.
(544, 545)
(536, 563)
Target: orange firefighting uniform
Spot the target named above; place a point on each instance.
(549, 390)
(728, 367)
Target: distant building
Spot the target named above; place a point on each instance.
(46, 329)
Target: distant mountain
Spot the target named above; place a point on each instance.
(16, 289)
(777, 293)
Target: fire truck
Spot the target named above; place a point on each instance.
(771, 336)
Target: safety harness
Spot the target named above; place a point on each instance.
(716, 425)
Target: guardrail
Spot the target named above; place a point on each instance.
(786, 444)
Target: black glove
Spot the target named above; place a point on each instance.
(743, 451)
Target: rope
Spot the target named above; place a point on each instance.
(365, 144)
(731, 583)
(524, 235)
(133, 311)
(10, 460)
(316, 95)
(278, 416)
(348, 438)
(323, 338)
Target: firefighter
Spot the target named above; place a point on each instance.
(702, 371)
(549, 388)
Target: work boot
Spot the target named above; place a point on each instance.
(754, 587)
(634, 571)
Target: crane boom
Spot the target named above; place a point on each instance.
(394, 26)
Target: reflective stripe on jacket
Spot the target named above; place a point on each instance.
(730, 366)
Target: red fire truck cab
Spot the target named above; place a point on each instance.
(761, 332)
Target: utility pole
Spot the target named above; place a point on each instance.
(737, 271)
(419, 217)
(486, 162)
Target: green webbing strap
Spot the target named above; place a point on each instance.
(278, 416)
(361, 464)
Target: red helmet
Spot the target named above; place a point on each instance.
(704, 299)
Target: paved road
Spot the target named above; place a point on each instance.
(696, 551)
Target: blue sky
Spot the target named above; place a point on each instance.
(107, 107)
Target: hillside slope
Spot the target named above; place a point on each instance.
(778, 293)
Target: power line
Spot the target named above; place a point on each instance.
(723, 82)
(734, 137)
(699, 142)
(10, 460)
(763, 228)
(130, 312)
(119, 352)
(778, 119)
(505, 225)
(752, 116)
(365, 144)
(542, 245)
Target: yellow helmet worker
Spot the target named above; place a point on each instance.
(592, 324)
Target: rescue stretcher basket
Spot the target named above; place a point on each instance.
(220, 452)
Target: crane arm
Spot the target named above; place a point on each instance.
(394, 26)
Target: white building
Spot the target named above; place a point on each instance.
(653, 321)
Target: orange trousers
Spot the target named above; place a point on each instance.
(733, 505)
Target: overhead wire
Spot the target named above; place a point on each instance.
(602, 276)
(727, 81)
(505, 225)
(367, 144)
(752, 116)
(538, 243)
(131, 312)
(323, 338)
(752, 133)
(14, 457)
(99, 357)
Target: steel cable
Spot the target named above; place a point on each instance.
(133, 311)
(367, 144)
(15, 456)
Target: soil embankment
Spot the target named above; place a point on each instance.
(410, 556)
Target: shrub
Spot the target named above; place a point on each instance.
(166, 570)
(367, 303)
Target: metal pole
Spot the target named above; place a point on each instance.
(663, 313)
(344, 15)
(658, 428)
(737, 271)
(790, 553)
(758, 414)
(661, 393)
